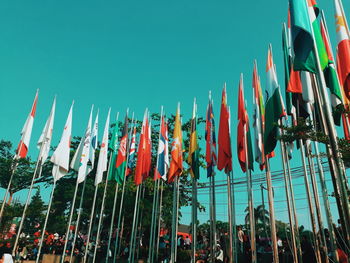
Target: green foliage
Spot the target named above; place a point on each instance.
(35, 214)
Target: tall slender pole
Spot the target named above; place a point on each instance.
(263, 207)
(323, 244)
(37, 166)
(290, 213)
(152, 221)
(78, 221)
(212, 217)
(230, 218)
(138, 234)
(177, 214)
(174, 221)
(46, 219)
(66, 238)
(100, 220)
(272, 212)
(134, 223)
(250, 199)
(159, 218)
(309, 199)
(92, 216)
(194, 218)
(112, 221)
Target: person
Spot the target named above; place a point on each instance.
(187, 242)
(240, 235)
(308, 251)
(219, 254)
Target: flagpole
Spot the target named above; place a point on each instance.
(112, 221)
(342, 180)
(66, 238)
(230, 216)
(159, 218)
(194, 218)
(154, 229)
(213, 215)
(139, 228)
(286, 186)
(46, 219)
(250, 198)
(174, 220)
(133, 224)
(92, 216)
(37, 166)
(156, 190)
(290, 184)
(100, 220)
(117, 246)
(78, 220)
(177, 214)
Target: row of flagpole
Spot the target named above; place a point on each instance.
(266, 141)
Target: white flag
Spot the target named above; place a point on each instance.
(93, 145)
(102, 158)
(81, 156)
(60, 157)
(44, 142)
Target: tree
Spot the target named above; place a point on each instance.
(35, 216)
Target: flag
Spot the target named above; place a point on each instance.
(176, 165)
(273, 110)
(81, 156)
(93, 145)
(302, 38)
(46, 135)
(102, 158)
(120, 165)
(113, 146)
(60, 157)
(143, 152)
(132, 151)
(210, 138)
(193, 151)
(162, 166)
(243, 133)
(148, 151)
(26, 133)
(332, 80)
(224, 139)
(343, 54)
(258, 102)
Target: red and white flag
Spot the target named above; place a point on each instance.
(26, 133)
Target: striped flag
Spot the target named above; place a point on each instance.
(163, 152)
(193, 152)
(26, 133)
(210, 138)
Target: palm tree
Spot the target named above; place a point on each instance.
(262, 218)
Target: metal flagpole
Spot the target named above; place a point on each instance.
(92, 216)
(211, 243)
(272, 212)
(152, 221)
(118, 233)
(66, 238)
(174, 221)
(46, 219)
(250, 199)
(341, 176)
(290, 214)
(159, 218)
(296, 228)
(37, 166)
(230, 217)
(323, 244)
(194, 218)
(155, 228)
(138, 234)
(133, 224)
(213, 216)
(112, 221)
(177, 215)
(77, 221)
(100, 220)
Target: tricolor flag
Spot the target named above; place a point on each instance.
(244, 148)
(273, 110)
(210, 138)
(224, 139)
(44, 142)
(258, 114)
(193, 152)
(81, 156)
(132, 152)
(143, 162)
(120, 165)
(102, 158)
(113, 146)
(26, 133)
(176, 165)
(60, 157)
(332, 80)
(162, 167)
(93, 145)
(343, 54)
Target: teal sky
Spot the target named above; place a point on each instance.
(138, 54)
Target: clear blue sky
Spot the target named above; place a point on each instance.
(137, 54)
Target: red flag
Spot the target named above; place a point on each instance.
(294, 84)
(242, 120)
(224, 140)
